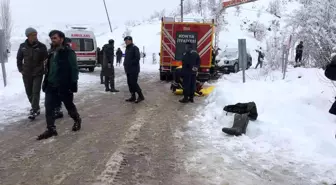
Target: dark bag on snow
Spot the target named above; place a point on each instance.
(244, 108)
(239, 125)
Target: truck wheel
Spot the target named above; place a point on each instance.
(236, 68)
(91, 69)
(162, 76)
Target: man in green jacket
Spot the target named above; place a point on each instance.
(30, 63)
(60, 83)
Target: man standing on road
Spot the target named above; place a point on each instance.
(299, 51)
(108, 68)
(190, 65)
(30, 63)
(132, 70)
(260, 58)
(119, 56)
(60, 83)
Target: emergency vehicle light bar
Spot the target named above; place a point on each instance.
(193, 20)
(79, 28)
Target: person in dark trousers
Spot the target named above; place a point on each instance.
(299, 51)
(60, 83)
(108, 68)
(119, 56)
(100, 61)
(132, 70)
(58, 110)
(190, 65)
(30, 63)
(260, 58)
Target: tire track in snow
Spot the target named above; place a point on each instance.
(117, 160)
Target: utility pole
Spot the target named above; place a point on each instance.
(182, 10)
(242, 56)
(108, 17)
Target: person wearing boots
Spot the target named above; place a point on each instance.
(119, 56)
(30, 63)
(108, 68)
(60, 83)
(260, 58)
(132, 70)
(299, 51)
(100, 62)
(190, 65)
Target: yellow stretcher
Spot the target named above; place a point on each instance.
(205, 91)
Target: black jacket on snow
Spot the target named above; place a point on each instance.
(67, 73)
(119, 54)
(190, 59)
(132, 59)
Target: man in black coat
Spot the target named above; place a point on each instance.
(60, 82)
(108, 68)
(299, 51)
(190, 65)
(132, 70)
(119, 56)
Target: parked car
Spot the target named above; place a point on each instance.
(228, 60)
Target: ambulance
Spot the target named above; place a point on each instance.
(175, 34)
(83, 42)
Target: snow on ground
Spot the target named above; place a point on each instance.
(294, 135)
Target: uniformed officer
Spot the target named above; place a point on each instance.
(190, 65)
(108, 68)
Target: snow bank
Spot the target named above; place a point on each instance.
(294, 130)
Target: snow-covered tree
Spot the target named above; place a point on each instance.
(315, 25)
(274, 7)
(200, 6)
(258, 29)
(238, 11)
(6, 21)
(188, 6)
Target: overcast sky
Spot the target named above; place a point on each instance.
(39, 12)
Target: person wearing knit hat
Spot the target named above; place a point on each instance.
(30, 30)
(30, 63)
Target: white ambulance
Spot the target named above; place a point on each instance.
(83, 42)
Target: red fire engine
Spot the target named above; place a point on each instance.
(174, 36)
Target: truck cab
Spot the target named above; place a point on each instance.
(83, 42)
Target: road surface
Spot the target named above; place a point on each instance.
(120, 142)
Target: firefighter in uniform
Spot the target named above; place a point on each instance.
(108, 68)
(190, 65)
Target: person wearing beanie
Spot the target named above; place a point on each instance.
(132, 70)
(108, 68)
(190, 65)
(30, 63)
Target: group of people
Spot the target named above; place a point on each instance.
(55, 71)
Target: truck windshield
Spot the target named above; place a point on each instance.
(81, 44)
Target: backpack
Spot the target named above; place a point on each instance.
(262, 55)
(243, 108)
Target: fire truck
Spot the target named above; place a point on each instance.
(175, 34)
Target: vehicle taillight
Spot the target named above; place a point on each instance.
(205, 69)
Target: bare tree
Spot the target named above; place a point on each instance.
(6, 21)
